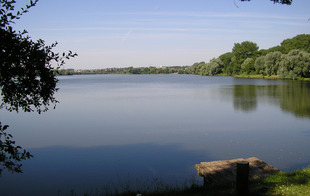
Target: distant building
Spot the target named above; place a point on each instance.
(161, 67)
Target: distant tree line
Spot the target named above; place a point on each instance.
(290, 60)
(127, 70)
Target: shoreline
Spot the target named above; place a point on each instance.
(256, 76)
(273, 77)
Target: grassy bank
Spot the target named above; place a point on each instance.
(282, 183)
(288, 183)
(260, 76)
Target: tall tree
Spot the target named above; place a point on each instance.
(259, 65)
(295, 64)
(272, 61)
(27, 79)
(241, 52)
(245, 49)
(226, 59)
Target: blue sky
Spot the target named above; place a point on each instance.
(142, 33)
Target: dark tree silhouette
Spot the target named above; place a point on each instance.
(287, 2)
(27, 78)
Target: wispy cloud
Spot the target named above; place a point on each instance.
(161, 29)
(127, 35)
(206, 15)
(180, 28)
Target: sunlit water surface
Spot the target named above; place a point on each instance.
(119, 128)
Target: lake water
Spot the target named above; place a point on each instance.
(119, 128)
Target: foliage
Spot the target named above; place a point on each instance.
(245, 49)
(11, 155)
(247, 66)
(272, 61)
(226, 60)
(27, 76)
(301, 42)
(212, 68)
(245, 59)
(27, 79)
(287, 2)
(295, 64)
(215, 67)
(259, 65)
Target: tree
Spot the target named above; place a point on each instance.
(10, 154)
(202, 69)
(301, 41)
(287, 2)
(215, 67)
(226, 59)
(295, 64)
(247, 66)
(245, 49)
(241, 52)
(192, 69)
(259, 65)
(27, 77)
(272, 61)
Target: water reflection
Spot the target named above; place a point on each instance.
(156, 126)
(295, 98)
(245, 98)
(292, 97)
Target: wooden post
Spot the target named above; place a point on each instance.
(242, 179)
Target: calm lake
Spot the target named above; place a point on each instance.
(120, 128)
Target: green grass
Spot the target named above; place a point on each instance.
(258, 76)
(290, 183)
